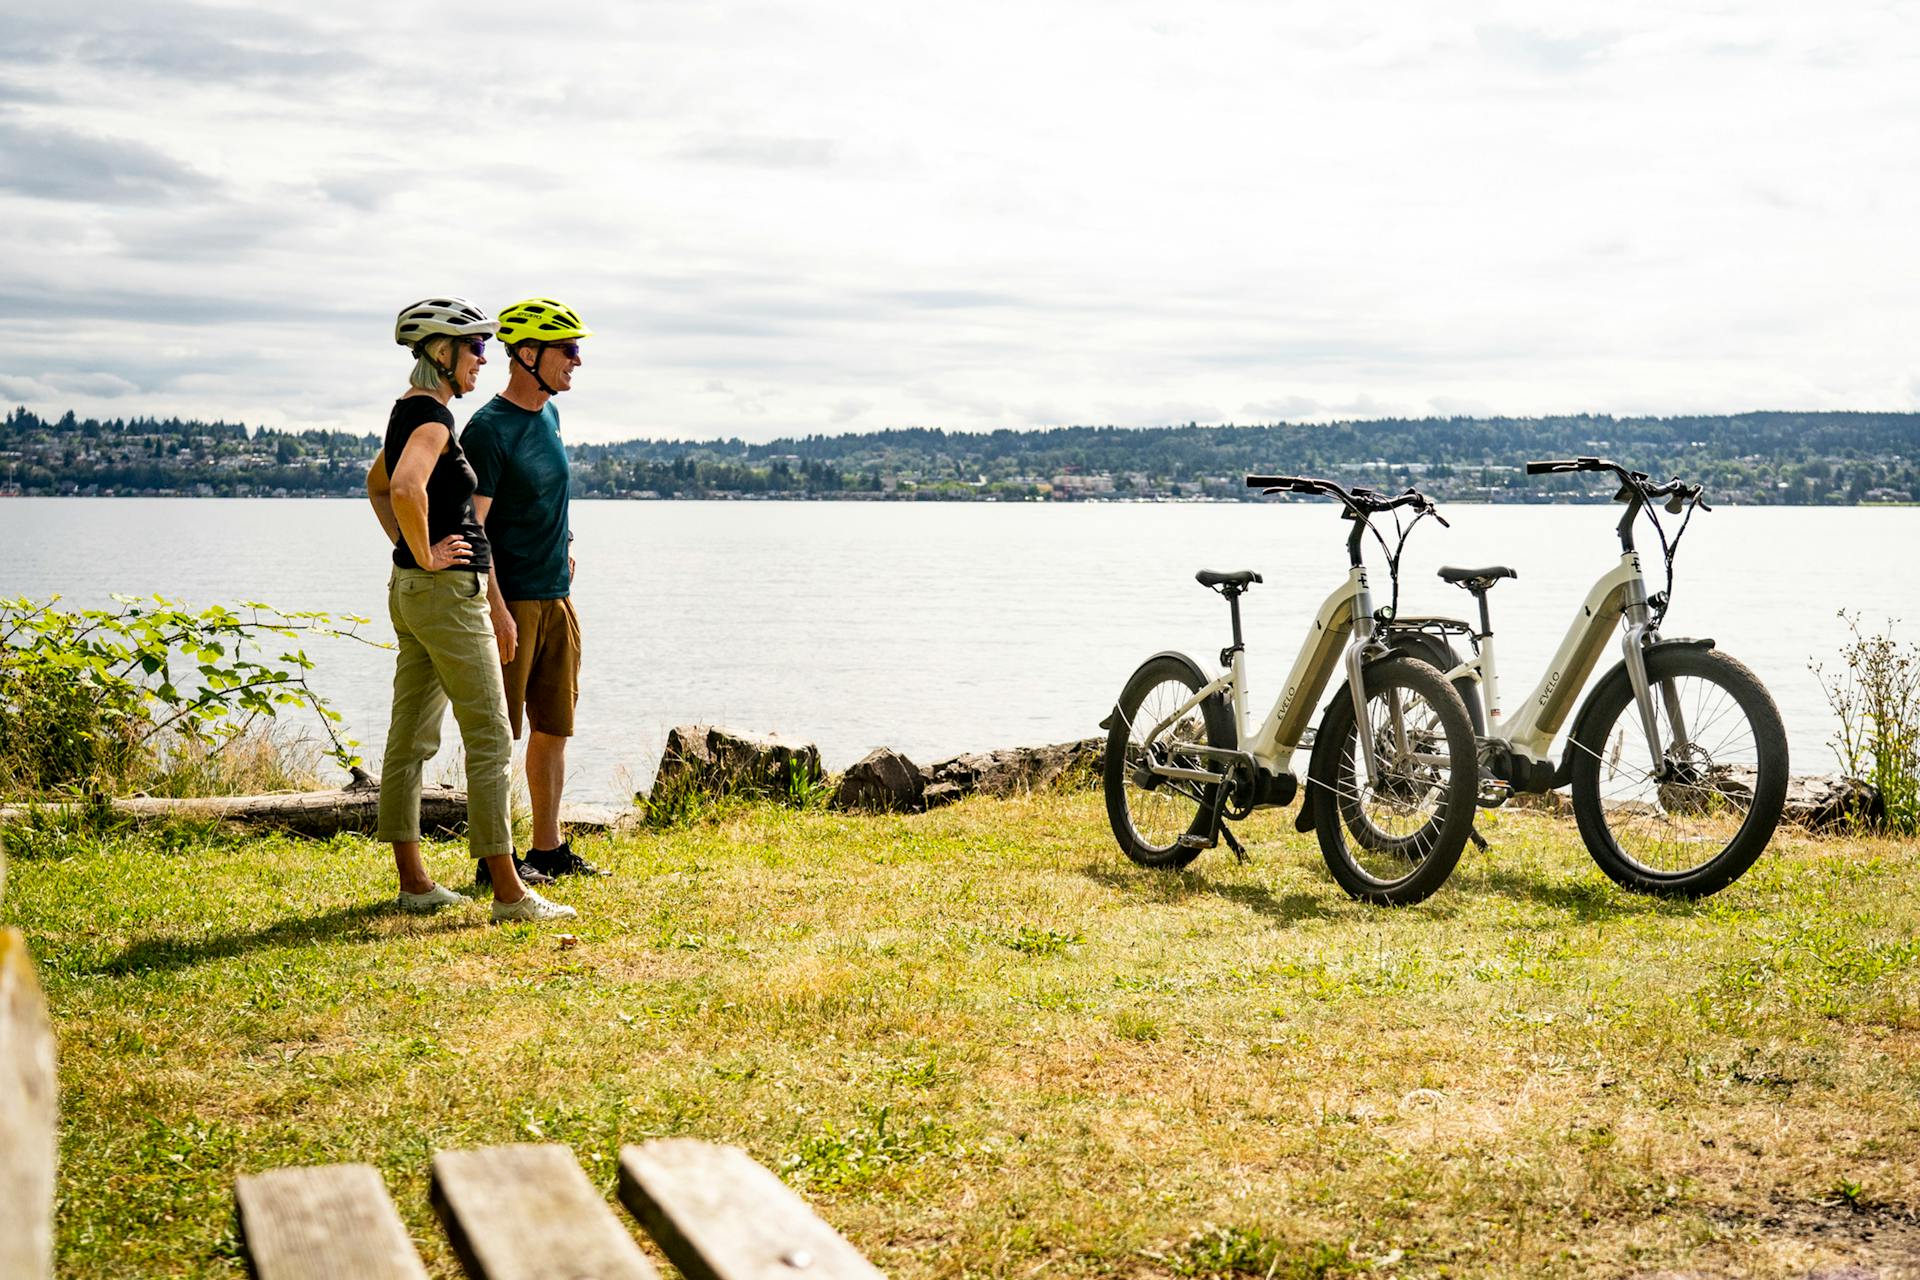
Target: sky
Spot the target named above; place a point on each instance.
(784, 219)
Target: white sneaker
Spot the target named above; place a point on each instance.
(433, 899)
(531, 907)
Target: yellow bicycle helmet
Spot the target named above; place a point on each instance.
(540, 320)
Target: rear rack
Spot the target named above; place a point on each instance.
(1435, 627)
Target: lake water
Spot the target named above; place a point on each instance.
(938, 628)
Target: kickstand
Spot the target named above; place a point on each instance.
(1479, 841)
(1239, 853)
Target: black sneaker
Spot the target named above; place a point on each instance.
(563, 862)
(529, 874)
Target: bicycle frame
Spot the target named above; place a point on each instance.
(1348, 611)
(1530, 732)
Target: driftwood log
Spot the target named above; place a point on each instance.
(355, 807)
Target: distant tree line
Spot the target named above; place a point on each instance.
(1834, 458)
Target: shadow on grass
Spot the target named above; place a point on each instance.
(1178, 886)
(1585, 900)
(342, 925)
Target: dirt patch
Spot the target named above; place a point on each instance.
(1875, 1242)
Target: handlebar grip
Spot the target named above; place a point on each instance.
(1543, 468)
(1273, 482)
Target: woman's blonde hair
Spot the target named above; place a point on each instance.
(426, 375)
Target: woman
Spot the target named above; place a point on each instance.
(437, 597)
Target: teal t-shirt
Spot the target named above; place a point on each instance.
(519, 462)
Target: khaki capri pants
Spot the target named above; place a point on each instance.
(447, 655)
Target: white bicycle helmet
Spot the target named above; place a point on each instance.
(431, 317)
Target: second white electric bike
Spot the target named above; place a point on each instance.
(1677, 760)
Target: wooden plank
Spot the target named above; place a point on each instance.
(314, 1224)
(718, 1215)
(527, 1212)
(28, 1106)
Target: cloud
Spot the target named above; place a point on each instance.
(161, 308)
(25, 390)
(846, 410)
(14, 91)
(50, 162)
(761, 152)
(1538, 51)
(103, 386)
(176, 41)
(955, 299)
(965, 220)
(1282, 409)
(215, 229)
(368, 191)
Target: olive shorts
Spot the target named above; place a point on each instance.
(544, 677)
(447, 656)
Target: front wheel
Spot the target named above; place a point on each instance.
(1161, 821)
(1692, 823)
(1395, 840)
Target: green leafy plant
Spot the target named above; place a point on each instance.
(1032, 941)
(1877, 699)
(90, 697)
(804, 790)
(871, 1146)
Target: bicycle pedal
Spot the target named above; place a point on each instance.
(1195, 842)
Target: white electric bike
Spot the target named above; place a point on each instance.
(1392, 777)
(1677, 760)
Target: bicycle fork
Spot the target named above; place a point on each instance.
(1639, 636)
(1359, 650)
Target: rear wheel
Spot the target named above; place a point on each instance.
(1396, 839)
(1693, 823)
(1152, 816)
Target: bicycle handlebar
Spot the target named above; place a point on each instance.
(1359, 500)
(1638, 481)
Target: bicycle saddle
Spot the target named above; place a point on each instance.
(1237, 581)
(1470, 577)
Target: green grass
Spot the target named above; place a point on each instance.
(981, 1043)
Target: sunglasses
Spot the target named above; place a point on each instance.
(571, 350)
(477, 345)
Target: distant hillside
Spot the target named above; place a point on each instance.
(1746, 458)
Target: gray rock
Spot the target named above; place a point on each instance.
(883, 781)
(1017, 769)
(1824, 803)
(938, 793)
(715, 761)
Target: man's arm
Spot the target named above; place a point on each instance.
(506, 635)
(380, 494)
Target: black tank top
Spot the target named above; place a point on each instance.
(449, 487)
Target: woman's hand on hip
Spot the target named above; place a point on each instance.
(451, 552)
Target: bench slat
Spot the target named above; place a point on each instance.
(527, 1212)
(324, 1222)
(27, 1104)
(719, 1216)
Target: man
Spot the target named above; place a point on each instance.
(513, 442)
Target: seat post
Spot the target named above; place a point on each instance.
(1233, 606)
(1486, 622)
